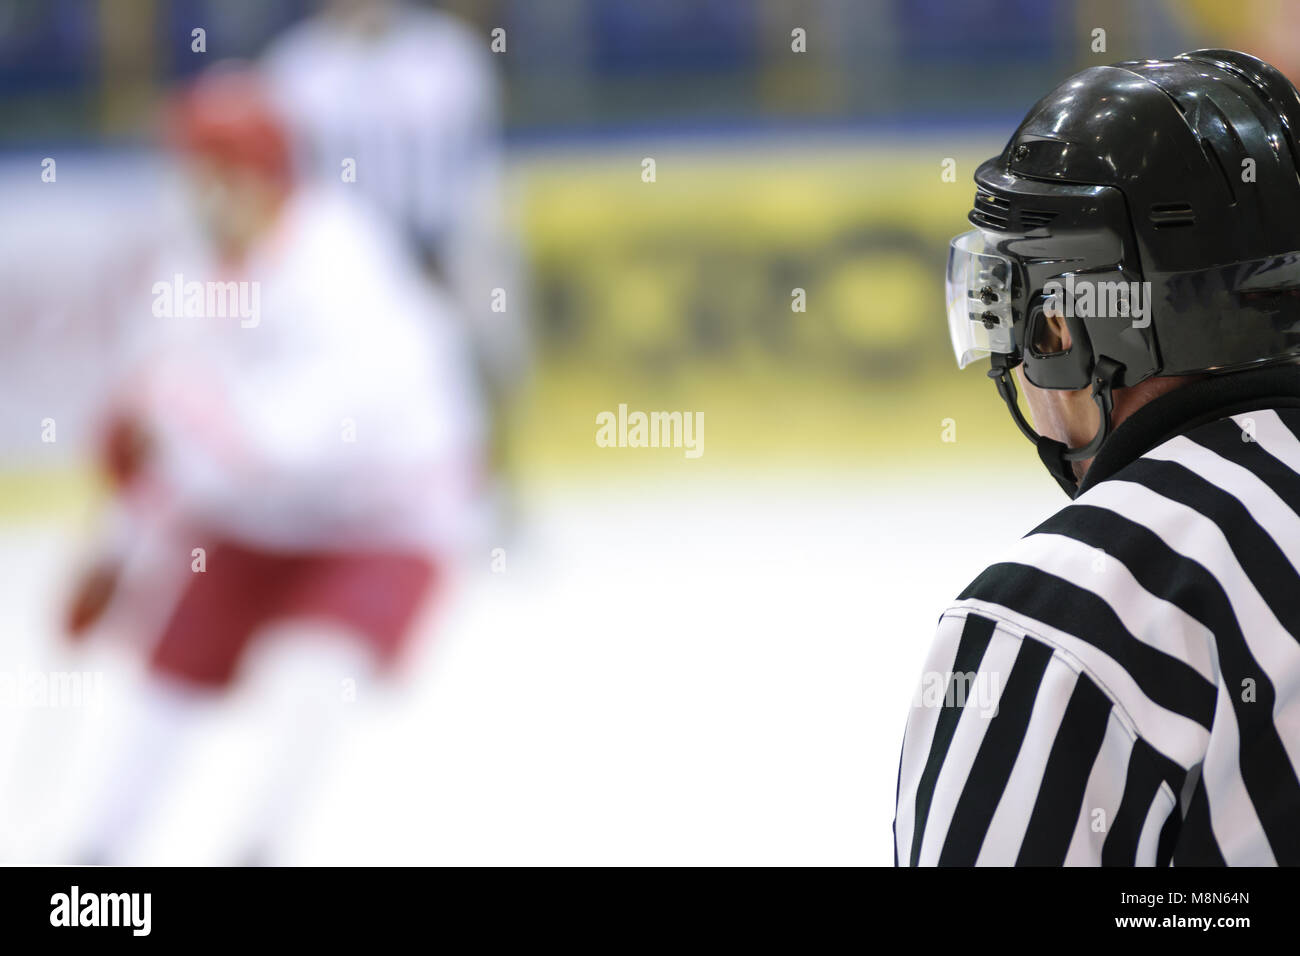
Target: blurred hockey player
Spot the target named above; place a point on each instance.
(299, 427)
(401, 105)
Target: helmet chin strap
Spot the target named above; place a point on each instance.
(1055, 455)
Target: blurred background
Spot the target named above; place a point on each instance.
(645, 657)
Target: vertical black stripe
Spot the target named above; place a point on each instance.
(1140, 785)
(1065, 778)
(1168, 838)
(1196, 843)
(975, 636)
(997, 755)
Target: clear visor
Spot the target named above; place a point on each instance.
(979, 299)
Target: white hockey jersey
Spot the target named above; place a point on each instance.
(320, 396)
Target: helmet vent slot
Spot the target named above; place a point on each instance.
(992, 211)
(993, 201)
(1035, 218)
(1171, 215)
(998, 212)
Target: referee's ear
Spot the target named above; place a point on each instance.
(1050, 334)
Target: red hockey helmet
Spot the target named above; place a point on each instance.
(227, 115)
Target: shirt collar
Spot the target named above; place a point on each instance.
(1185, 408)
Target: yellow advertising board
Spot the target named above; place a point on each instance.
(791, 292)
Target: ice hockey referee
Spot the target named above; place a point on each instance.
(1123, 686)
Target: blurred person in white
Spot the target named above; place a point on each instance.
(299, 407)
(400, 103)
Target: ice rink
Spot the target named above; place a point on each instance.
(693, 672)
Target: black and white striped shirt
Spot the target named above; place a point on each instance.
(1124, 686)
(411, 105)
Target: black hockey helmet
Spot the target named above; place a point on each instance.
(1152, 205)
